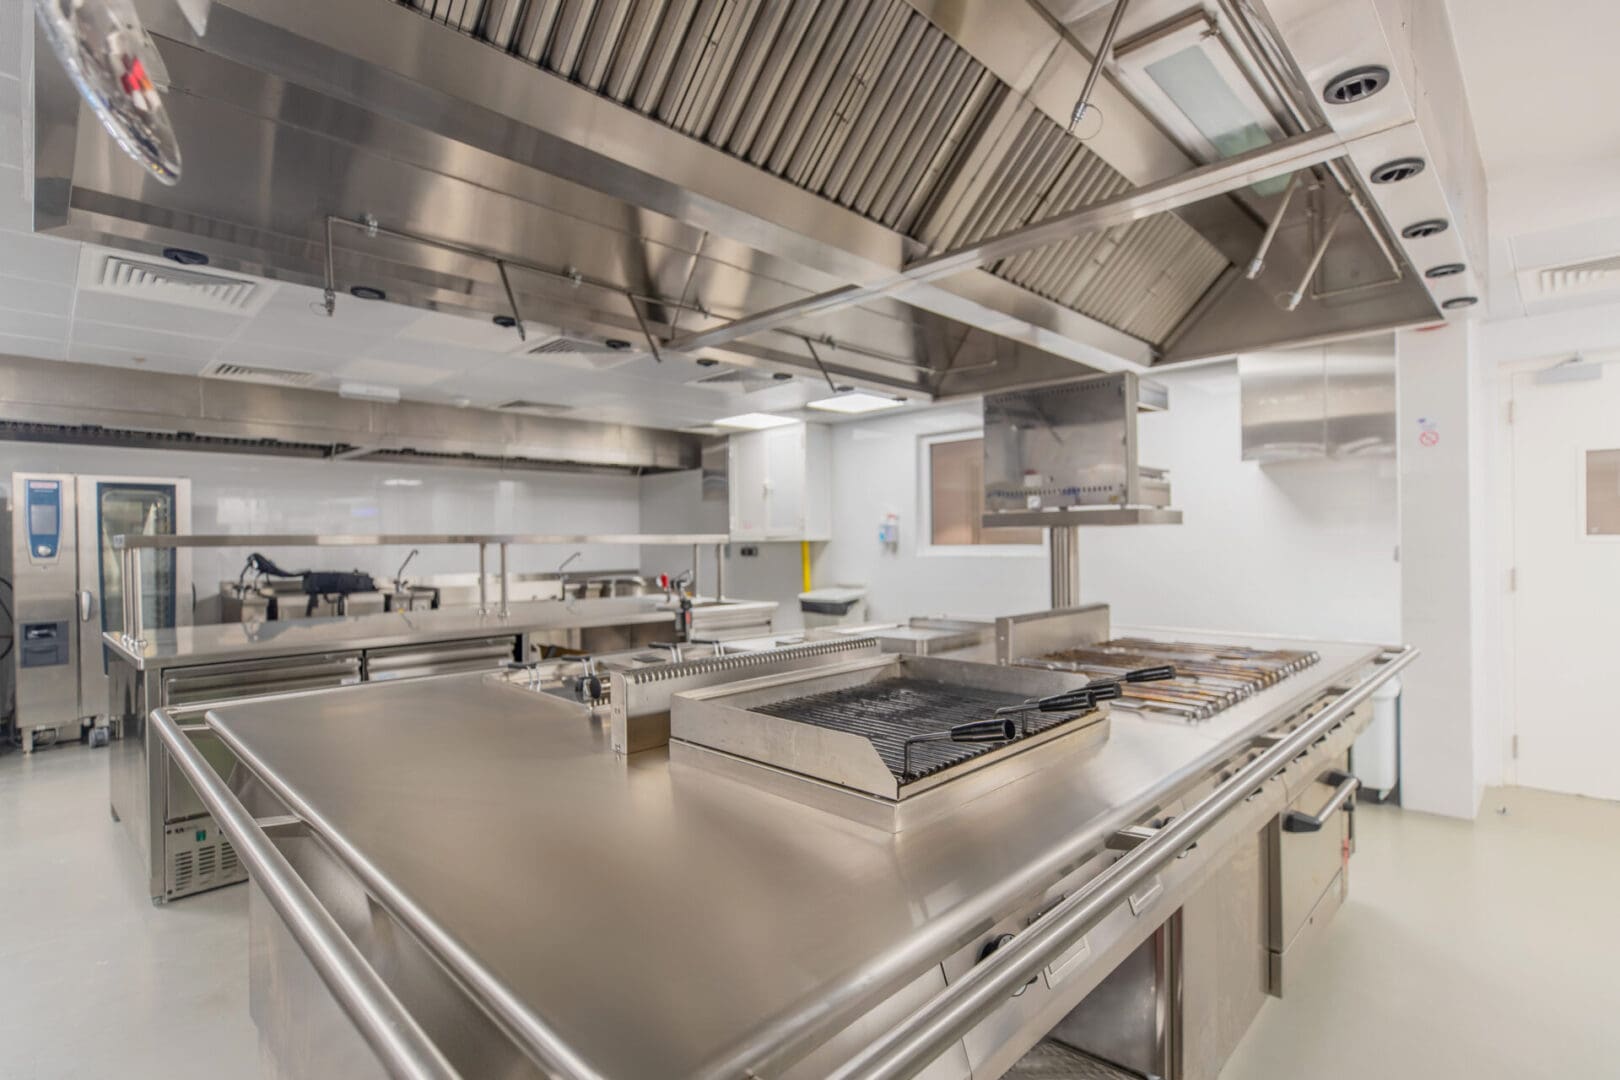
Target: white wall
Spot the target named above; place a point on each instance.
(673, 503)
(241, 494)
(1305, 549)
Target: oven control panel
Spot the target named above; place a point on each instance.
(43, 520)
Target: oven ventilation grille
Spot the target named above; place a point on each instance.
(175, 284)
(252, 373)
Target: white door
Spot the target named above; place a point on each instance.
(1566, 600)
(747, 483)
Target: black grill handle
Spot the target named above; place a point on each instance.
(1064, 702)
(1149, 674)
(983, 731)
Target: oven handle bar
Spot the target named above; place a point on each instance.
(916, 1041)
(402, 1047)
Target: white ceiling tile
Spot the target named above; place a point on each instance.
(121, 358)
(44, 258)
(11, 125)
(389, 373)
(23, 294)
(33, 324)
(16, 212)
(297, 327)
(39, 348)
(135, 342)
(14, 26)
(151, 314)
(474, 333)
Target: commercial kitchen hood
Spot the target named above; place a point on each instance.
(782, 184)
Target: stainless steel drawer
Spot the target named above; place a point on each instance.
(440, 657)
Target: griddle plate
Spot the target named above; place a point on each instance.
(889, 711)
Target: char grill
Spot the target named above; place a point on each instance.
(888, 712)
(1210, 678)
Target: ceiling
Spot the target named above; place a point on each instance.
(662, 177)
(1550, 140)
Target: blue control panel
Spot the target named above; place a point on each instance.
(43, 501)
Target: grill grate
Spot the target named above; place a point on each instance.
(889, 711)
(1210, 678)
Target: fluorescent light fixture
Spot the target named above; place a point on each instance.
(753, 421)
(368, 391)
(402, 481)
(854, 404)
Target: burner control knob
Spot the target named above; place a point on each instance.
(995, 943)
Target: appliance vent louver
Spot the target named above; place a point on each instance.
(252, 373)
(179, 285)
(207, 860)
(182, 871)
(227, 858)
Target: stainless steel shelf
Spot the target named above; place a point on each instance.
(1082, 517)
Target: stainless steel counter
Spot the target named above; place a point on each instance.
(232, 641)
(650, 917)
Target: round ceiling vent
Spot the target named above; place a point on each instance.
(1393, 172)
(1355, 85)
(505, 322)
(617, 344)
(1418, 230)
(1460, 302)
(1444, 270)
(706, 361)
(367, 292)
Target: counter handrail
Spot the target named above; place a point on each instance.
(919, 1038)
(401, 1045)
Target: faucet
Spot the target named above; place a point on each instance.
(399, 575)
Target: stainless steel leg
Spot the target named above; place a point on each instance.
(132, 592)
(719, 571)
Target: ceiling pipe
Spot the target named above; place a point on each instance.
(1104, 51)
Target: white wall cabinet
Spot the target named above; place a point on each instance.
(781, 483)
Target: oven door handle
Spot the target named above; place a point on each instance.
(1297, 821)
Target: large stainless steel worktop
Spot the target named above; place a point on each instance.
(653, 916)
(234, 641)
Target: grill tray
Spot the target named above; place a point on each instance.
(845, 725)
(889, 711)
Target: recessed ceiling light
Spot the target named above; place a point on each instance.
(753, 421)
(402, 481)
(368, 391)
(856, 403)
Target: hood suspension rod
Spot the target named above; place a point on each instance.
(1104, 51)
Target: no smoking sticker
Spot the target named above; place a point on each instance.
(1428, 432)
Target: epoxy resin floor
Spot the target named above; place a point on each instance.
(1479, 951)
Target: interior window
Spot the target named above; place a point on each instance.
(1603, 493)
(956, 497)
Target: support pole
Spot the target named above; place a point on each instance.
(483, 579)
(506, 607)
(719, 572)
(1064, 552)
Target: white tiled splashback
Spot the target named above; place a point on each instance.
(241, 494)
